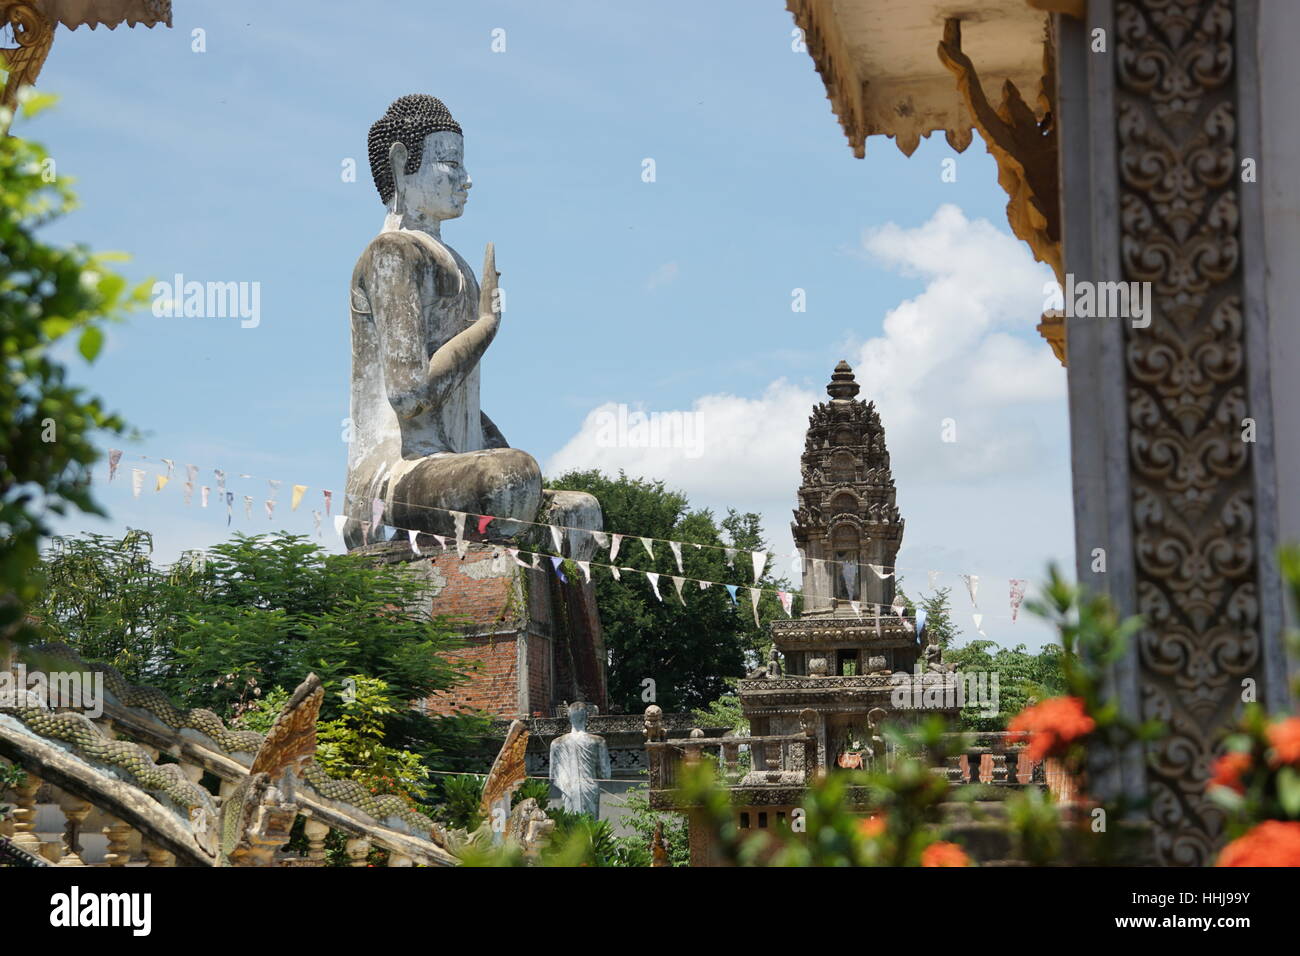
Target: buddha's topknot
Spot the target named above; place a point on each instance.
(408, 120)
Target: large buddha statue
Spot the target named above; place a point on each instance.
(420, 325)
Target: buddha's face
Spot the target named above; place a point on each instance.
(439, 188)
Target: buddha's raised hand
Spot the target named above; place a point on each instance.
(488, 306)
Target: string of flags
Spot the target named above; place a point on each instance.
(609, 541)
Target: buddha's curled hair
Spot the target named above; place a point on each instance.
(408, 120)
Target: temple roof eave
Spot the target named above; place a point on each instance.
(878, 61)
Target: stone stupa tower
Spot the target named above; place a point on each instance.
(847, 519)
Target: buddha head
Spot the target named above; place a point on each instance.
(578, 711)
(417, 159)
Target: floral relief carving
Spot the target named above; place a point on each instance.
(1193, 505)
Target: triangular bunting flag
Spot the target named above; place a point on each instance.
(248, 507)
(295, 497)
(760, 562)
(654, 583)
(114, 456)
(189, 492)
(677, 583)
(972, 586)
(754, 595)
(161, 482)
(585, 568)
(329, 497)
(414, 537)
(731, 557)
(676, 547)
(483, 522)
(230, 506)
(557, 540)
(203, 496)
(614, 571)
(137, 481)
(857, 607)
(1017, 595)
(602, 539)
(731, 590)
(315, 517)
(339, 522)
(613, 547)
(555, 563)
(786, 599)
(649, 546)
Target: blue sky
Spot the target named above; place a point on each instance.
(673, 295)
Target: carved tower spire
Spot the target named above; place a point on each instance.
(847, 519)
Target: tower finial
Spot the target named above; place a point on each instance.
(843, 386)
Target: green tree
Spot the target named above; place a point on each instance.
(688, 651)
(49, 296)
(1021, 676)
(257, 613)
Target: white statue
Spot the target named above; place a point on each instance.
(578, 761)
(421, 446)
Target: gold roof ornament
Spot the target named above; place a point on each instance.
(878, 61)
(32, 24)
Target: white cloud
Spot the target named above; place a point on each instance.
(665, 274)
(995, 501)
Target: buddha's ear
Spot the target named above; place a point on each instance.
(397, 157)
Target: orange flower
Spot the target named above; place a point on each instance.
(871, 827)
(1051, 726)
(1285, 738)
(1272, 843)
(944, 854)
(1228, 769)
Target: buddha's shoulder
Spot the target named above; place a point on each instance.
(413, 252)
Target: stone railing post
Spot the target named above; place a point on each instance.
(75, 812)
(157, 856)
(119, 848)
(316, 833)
(358, 848)
(25, 814)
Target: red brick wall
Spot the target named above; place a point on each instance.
(495, 684)
(484, 601)
(539, 675)
(487, 607)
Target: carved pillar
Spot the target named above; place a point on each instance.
(1175, 514)
(24, 814)
(75, 812)
(119, 848)
(316, 832)
(358, 848)
(157, 856)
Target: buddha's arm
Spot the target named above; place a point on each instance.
(465, 349)
(394, 287)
